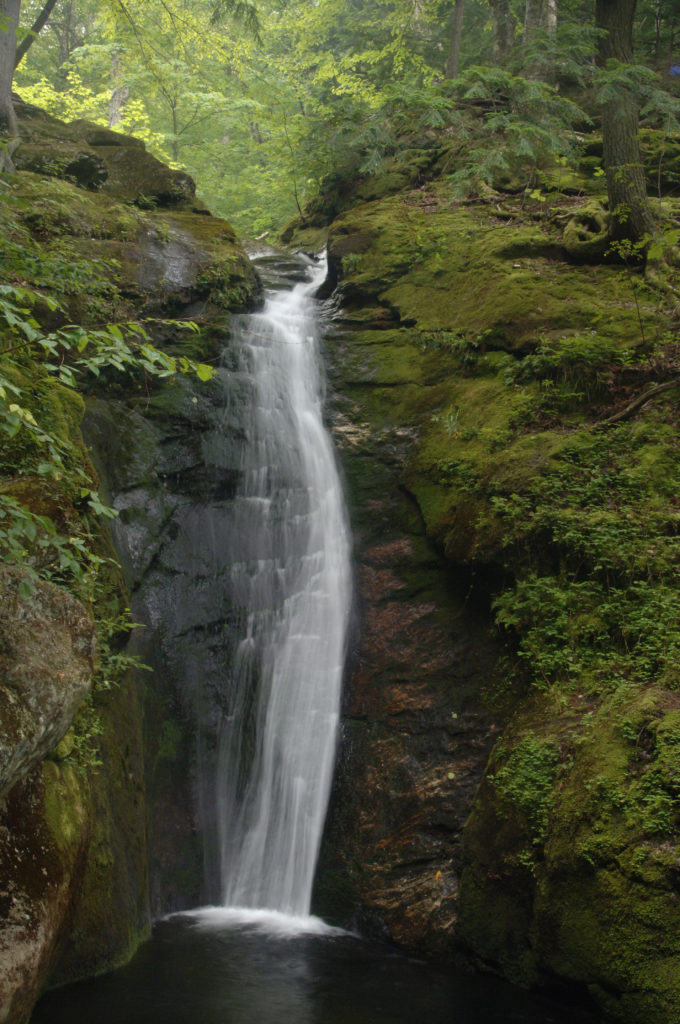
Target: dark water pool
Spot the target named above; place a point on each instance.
(211, 969)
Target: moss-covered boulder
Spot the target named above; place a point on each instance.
(98, 160)
(571, 853)
(409, 256)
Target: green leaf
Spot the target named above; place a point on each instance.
(204, 372)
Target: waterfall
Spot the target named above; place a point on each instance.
(288, 571)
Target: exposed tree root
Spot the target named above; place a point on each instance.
(637, 403)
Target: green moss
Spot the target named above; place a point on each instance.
(601, 866)
(600, 912)
(63, 409)
(65, 806)
(468, 271)
(299, 235)
(223, 286)
(524, 784)
(110, 917)
(170, 740)
(106, 261)
(473, 358)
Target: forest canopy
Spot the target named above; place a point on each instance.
(266, 105)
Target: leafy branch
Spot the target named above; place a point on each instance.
(63, 356)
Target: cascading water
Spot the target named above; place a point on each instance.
(242, 559)
(288, 550)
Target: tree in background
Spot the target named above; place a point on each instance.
(539, 16)
(503, 23)
(626, 187)
(9, 20)
(455, 39)
(323, 94)
(36, 29)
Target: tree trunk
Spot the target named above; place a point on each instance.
(503, 24)
(9, 17)
(455, 36)
(119, 94)
(65, 31)
(119, 97)
(671, 37)
(175, 137)
(540, 20)
(626, 188)
(540, 16)
(657, 30)
(36, 29)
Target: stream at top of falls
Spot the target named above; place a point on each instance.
(260, 958)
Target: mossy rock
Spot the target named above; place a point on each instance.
(84, 169)
(586, 235)
(125, 262)
(601, 874)
(464, 269)
(44, 837)
(89, 243)
(98, 160)
(110, 915)
(471, 360)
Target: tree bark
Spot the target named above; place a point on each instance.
(503, 24)
(65, 31)
(455, 36)
(120, 93)
(540, 16)
(36, 29)
(175, 131)
(9, 131)
(540, 20)
(626, 187)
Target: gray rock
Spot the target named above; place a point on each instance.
(47, 646)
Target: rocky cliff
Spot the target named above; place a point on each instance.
(508, 783)
(92, 221)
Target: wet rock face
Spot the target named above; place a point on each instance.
(416, 735)
(47, 645)
(171, 478)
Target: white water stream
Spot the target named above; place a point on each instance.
(290, 574)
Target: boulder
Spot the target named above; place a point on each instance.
(47, 646)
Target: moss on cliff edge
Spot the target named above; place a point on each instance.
(587, 896)
(468, 331)
(495, 275)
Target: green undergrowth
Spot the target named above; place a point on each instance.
(605, 511)
(572, 841)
